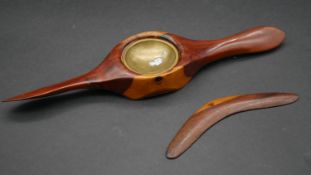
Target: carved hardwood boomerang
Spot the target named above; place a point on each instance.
(215, 110)
(152, 63)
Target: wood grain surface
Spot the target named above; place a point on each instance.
(113, 76)
(214, 111)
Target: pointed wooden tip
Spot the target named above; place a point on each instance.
(25, 96)
(15, 98)
(29, 95)
(72, 84)
(172, 153)
(292, 97)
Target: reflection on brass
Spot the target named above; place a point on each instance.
(150, 56)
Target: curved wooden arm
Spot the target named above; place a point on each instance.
(214, 111)
(253, 40)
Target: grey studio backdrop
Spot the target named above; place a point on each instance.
(96, 132)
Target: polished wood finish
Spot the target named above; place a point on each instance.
(113, 75)
(216, 110)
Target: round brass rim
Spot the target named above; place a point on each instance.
(144, 55)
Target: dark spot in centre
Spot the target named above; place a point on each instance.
(211, 104)
(158, 79)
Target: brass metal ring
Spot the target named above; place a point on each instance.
(150, 56)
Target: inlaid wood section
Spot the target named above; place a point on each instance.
(131, 77)
(214, 111)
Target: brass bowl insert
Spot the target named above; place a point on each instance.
(150, 56)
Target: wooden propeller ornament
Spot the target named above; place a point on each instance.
(152, 63)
